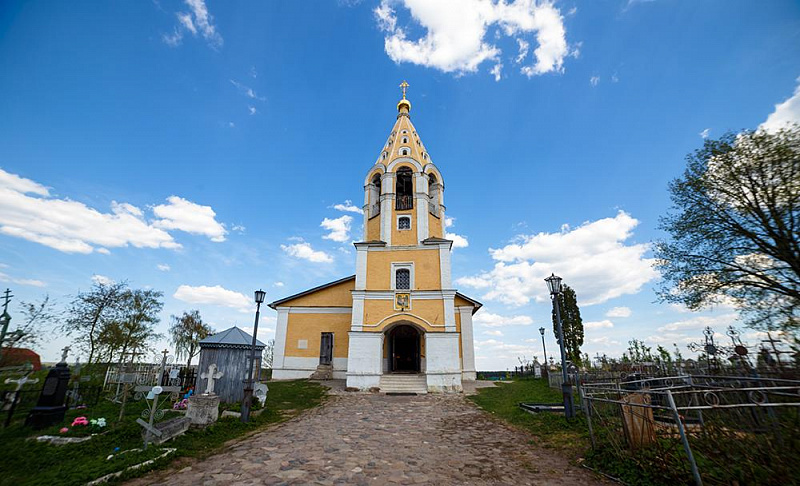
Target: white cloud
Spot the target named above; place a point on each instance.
(247, 91)
(102, 280)
(305, 252)
(786, 112)
(704, 133)
(28, 211)
(458, 240)
(487, 319)
(455, 34)
(700, 322)
(619, 312)
(252, 110)
(4, 277)
(339, 228)
(604, 340)
(196, 21)
(183, 215)
(348, 207)
(278, 284)
(598, 324)
(103, 251)
(593, 259)
(594, 80)
(496, 333)
(216, 295)
(163, 267)
(497, 71)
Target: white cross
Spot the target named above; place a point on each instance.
(211, 375)
(21, 381)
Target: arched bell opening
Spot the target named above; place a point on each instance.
(405, 349)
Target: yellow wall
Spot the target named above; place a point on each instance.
(405, 237)
(460, 302)
(430, 310)
(373, 229)
(334, 296)
(426, 268)
(310, 327)
(434, 226)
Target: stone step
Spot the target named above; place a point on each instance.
(404, 384)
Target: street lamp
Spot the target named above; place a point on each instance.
(248, 388)
(554, 285)
(541, 331)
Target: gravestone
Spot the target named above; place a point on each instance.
(260, 391)
(166, 430)
(203, 409)
(50, 408)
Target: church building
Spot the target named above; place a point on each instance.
(397, 324)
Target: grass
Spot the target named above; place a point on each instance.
(26, 462)
(552, 430)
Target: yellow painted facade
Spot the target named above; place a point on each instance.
(426, 268)
(402, 281)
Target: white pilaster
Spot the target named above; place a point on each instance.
(421, 202)
(387, 201)
(361, 267)
(357, 318)
(444, 265)
(443, 367)
(467, 345)
(449, 310)
(280, 337)
(365, 360)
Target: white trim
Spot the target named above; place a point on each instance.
(449, 314)
(444, 266)
(320, 310)
(415, 294)
(357, 319)
(280, 337)
(401, 160)
(361, 267)
(400, 266)
(403, 314)
(467, 344)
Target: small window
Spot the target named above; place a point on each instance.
(404, 131)
(405, 139)
(425, 156)
(404, 223)
(404, 151)
(384, 156)
(403, 279)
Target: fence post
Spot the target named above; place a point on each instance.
(587, 410)
(679, 422)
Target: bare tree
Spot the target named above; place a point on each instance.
(90, 311)
(35, 317)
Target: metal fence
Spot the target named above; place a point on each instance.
(16, 404)
(713, 429)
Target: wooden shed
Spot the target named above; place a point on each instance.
(230, 351)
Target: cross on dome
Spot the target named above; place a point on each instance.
(404, 85)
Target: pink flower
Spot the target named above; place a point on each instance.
(80, 421)
(64, 430)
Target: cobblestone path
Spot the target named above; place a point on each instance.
(378, 439)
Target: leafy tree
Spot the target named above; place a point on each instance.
(91, 311)
(638, 351)
(35, 316)
(571, 322)
(134, 327)
(735, 228)
(186, 333)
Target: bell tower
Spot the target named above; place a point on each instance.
(403, 191)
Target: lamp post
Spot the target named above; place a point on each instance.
(541, 331)
(554, 285)
(248, 388)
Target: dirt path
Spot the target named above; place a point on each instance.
(377, 439)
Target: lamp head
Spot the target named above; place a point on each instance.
(541, 331)
(260, 295)
(553, 284)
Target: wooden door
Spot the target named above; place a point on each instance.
(326, 348)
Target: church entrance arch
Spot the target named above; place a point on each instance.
(404, 349)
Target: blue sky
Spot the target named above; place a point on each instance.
(198, 148)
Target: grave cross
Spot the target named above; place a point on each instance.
(64, 353)
(211, 375)
(21, 381)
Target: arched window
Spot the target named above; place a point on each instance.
(404, 151)
(404, 191)
(405, 139)
(375, 196)
(433, 192)
(403, 279)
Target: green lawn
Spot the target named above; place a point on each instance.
(551, 429)
(26, 462)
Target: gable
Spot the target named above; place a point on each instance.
(331, 294)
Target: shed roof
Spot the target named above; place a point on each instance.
(230, 338)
